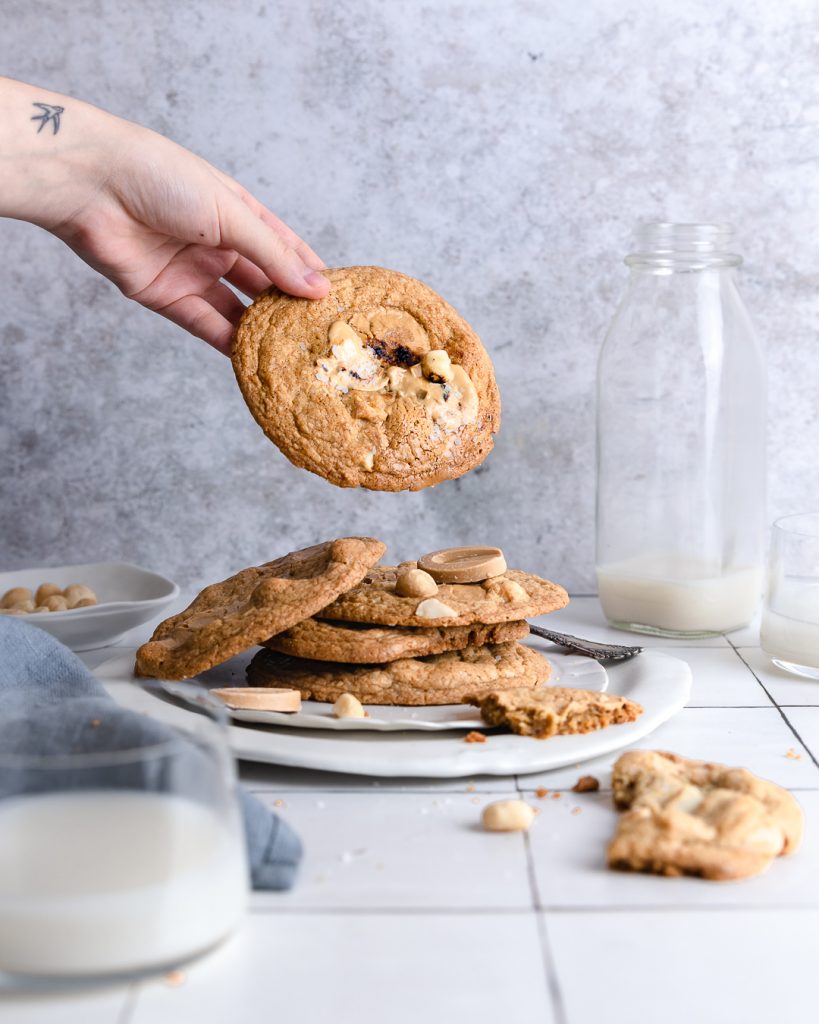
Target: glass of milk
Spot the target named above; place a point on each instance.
(790, 616)
(124, 859)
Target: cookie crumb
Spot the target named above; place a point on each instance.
(793, 755)
(576, 810)
(279, 803)
(474, 737)
(556, 796)
(175, 978)
(470, 788)
(474, 800)
(586, 784)
(540, 792)
(95, 723)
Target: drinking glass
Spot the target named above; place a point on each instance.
(790, 616)
(127, 858)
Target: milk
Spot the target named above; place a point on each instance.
(791, 632)
(677, 595)
(113, 880)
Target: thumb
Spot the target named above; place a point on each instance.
(243, 231)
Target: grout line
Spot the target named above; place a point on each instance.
(742, 661)
(729, 707)
(785, 718)
(549, 967)
(552, 981)
(680, 908)
(550, 908)
(382, 911)
(126, 1012)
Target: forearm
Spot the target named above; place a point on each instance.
(55, 153)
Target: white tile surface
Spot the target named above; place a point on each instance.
(785, 688)
(748, 636)
(374, 850)
(317, 968)
(584, 617)
(106, 1006)
(404, 903)
(729, 967)
(568, 843)
(806, 723)
(756, 738)
(720, 678)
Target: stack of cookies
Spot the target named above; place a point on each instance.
(330, 621)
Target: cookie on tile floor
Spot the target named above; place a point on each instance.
(685, 817)
(437, 679)
(554, 710)
(505, 598)
(247, 608)
(357, 644)
(380, 384)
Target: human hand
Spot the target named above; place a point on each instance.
(161, 223)
(169, 229)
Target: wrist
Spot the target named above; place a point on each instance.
(57, 153)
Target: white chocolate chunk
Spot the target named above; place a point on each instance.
(432, 608)
(348, 706)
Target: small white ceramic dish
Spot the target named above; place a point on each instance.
(128, 596)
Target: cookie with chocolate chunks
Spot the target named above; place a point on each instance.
(381, 384)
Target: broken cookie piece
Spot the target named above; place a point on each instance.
(554, 710)
(685, 817)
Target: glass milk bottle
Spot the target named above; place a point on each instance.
(681, 441)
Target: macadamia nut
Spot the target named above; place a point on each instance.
(15, 597)
(47, 590)
(55, 603)
(436, 366)
(415, 583)
(509, 590)
(508, 816)
(348, 706)
(77, 592)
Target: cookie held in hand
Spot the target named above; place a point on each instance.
(380, 384)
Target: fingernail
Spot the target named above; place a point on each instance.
(315, 279)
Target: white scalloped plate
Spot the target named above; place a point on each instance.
(567, 670)
(660, 682)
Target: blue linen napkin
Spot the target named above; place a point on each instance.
(49, 702)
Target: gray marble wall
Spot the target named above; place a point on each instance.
(500, 151)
